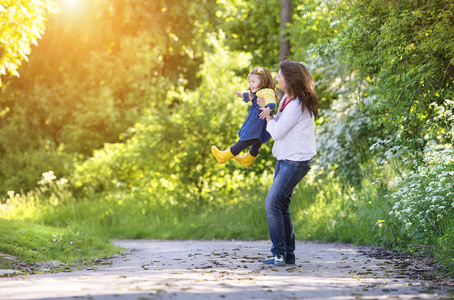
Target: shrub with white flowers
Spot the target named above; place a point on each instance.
(343, 139)
(424, 189)
(424, 199)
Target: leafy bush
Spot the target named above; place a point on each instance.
(399, 56)
(424, 195)
(405, 49)
(75, 117)
(343, 140)
(422, 191)
(22, 170)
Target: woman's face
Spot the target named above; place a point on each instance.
(281, 81)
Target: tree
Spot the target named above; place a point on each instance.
(22, 24)
(286, 19)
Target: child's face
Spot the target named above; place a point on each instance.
(254, 82)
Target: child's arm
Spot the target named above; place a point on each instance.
(268, 95)
(245, 96)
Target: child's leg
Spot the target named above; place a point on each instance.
(247, 159)
(255, 148)
(241, 145)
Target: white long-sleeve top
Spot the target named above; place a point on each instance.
(293, 133)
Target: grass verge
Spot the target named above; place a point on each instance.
(26, 242)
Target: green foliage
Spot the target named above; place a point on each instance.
(407, 50)
(343, 140)
(313, 22)
(21, 171)
(400, 60)
(253, 27)
(100, 65)
(168, 154)
(423, 192)
(346, 214)
(22, 24)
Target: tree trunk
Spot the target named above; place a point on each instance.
(286, 18)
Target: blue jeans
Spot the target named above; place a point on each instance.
(287, 175)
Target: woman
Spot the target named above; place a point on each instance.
(293, 132)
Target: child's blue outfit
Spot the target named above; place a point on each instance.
(253, 132)
(254, 127)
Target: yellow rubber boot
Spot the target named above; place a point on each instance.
(221, 156)
(246, 160)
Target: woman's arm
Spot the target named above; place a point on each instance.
(289, 117)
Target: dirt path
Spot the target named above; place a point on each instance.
(152, 269)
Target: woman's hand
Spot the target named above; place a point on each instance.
(265, 112)
(239, 94)
(261, 102)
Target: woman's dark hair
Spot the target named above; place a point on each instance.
(299, 83)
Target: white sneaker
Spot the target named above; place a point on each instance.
(279, 260)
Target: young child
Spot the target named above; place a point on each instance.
(253, 132)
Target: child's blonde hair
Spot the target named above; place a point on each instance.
(265, 77)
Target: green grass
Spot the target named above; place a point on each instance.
(132, 219)
(321, 211)
(348, 215)
(35, 243)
